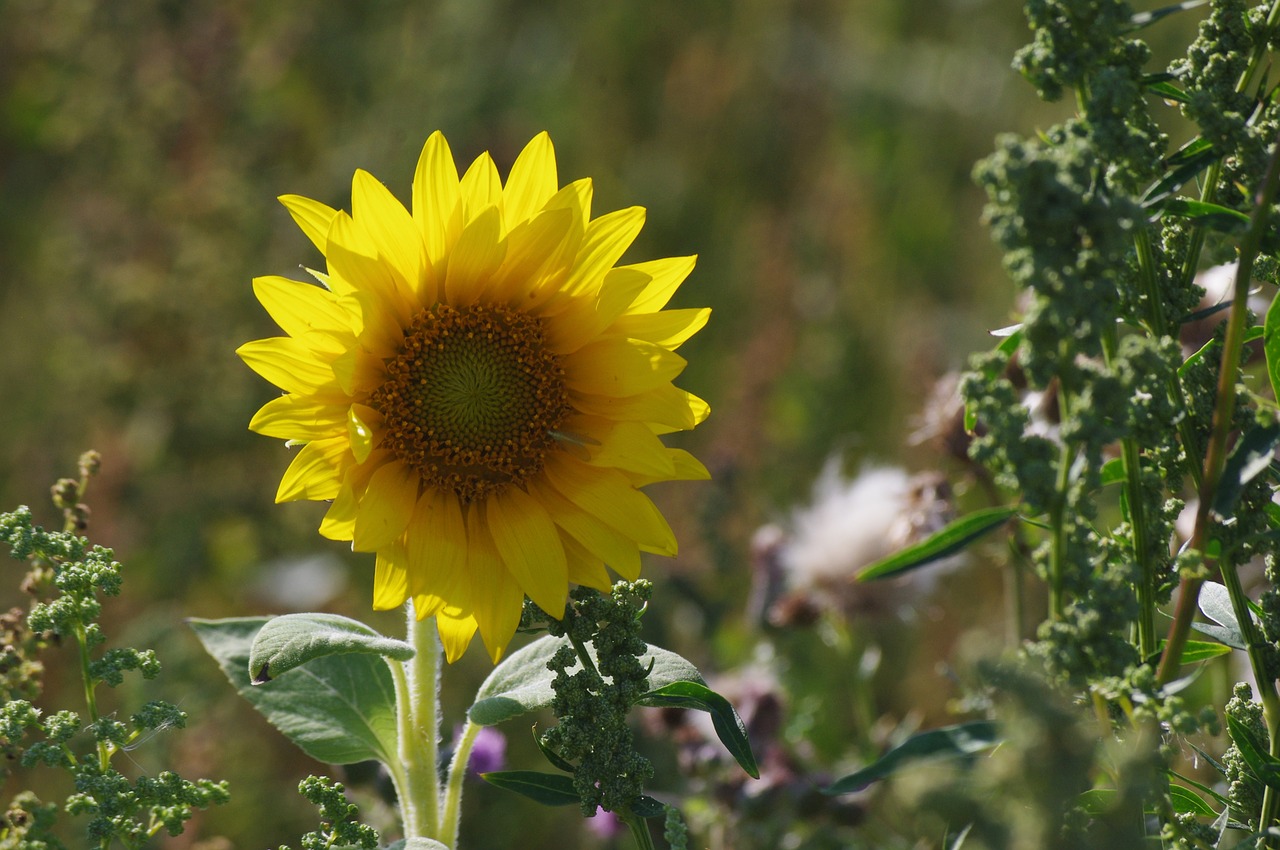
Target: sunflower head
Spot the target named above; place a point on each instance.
(479, 389)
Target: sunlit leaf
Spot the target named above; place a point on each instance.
(948, 540)
(292, 640)
(728, 725)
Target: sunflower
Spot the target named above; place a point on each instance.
(479, 389)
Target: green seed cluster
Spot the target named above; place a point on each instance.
(339, 818)
(592, 702)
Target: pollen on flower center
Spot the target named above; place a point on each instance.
(472, 399)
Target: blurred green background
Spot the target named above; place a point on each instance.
(814, 153)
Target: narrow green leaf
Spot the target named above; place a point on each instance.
(1187, 801)
(1198, 650)
(1201, 787)
(339, 709)
(292, 640)
(1212, 216)
(1182, 167)
(1250, 457)
(1271, 345)
(1168, 91)
(1145, 19)
(948, 540)
(557, 761)
(1264, 766)
(728, 725)
(549, 789)
(964, 739)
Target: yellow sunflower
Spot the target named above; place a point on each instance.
(479, 389)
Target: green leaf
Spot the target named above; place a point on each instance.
(1145, 19)
(647, 807)
(1097, 801)
(549, 789)
(1204, 789)
(1199, 650)
(1185, 800)
(1183, 166)
(949, 742)
(522, 682)
(1264, 766)
(1113, 472)
(1212, 216)
(1271, 345)
(1215, 603)
(1012, 338)
(728, 725)
(1250, 457)
(294, 639)
(339, 709)
(1168, 91)
(946, 541)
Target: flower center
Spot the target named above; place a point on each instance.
(472, 399)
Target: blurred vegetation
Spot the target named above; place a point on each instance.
(816, 154)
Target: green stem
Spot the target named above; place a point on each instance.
(639, 831)
(90, 694)
(452, 809)
(1223, 413)
(1057, 520)
(1131, 459)
(417, 717)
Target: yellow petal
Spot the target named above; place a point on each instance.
(456, 632)
(685, 467)
(478, 254)
(529, 544)
(437, 201)
(669, 329)
(302, 308)
(437, 543)
(532, 181)
(631, 446)
(667, 405)
(390, 578)
(386, 507)
(481, 187)
(353, 256)
(361, 420)
(339, 521)
(312, 216)
(390, 226)
(531, 246)
(292, 417)
(613, 367)
(585, 568)
(605, 240)
(584, 318)
(607, 495)
(601, 540)
(667, 273)
(289, 364)
(497, 600)
(317, 472)
(357, 371)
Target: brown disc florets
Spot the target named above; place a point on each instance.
(472, 399)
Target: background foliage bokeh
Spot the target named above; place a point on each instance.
(816, 154)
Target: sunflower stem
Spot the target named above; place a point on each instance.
(417, 717)
(452, 808)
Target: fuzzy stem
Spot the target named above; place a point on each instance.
(451, 815)
(418, 728)
(1057, 520)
